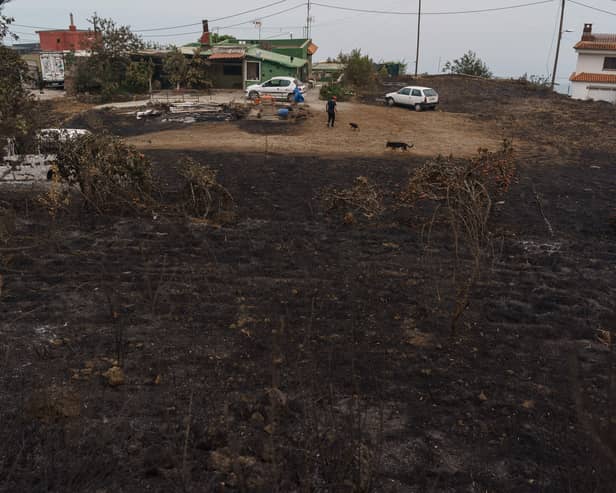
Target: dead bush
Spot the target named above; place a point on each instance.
(463, 190)
(56, 197)
(364, 198)
(7, 223)
(110, 174)
(202, 196)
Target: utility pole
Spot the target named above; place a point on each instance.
(418, 30)
(308, 19)
(560, 35)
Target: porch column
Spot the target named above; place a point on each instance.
(244, 73)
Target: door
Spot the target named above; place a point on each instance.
(416, 97)
(269, 87)
(402, 97)
(283, 88)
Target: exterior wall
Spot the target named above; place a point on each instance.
(269, 70)
(65, 40)
(597, 92)
(294, 52)
(593, 62)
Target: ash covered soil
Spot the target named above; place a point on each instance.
(291, 350)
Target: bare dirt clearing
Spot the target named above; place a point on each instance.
(432, 133)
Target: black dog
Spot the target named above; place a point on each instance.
(398, 145)
(354, 126)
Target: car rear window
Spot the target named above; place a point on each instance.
(430, 92)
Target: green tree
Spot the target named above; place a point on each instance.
(468, 64)
(197, 72)
(176, 67)
(17, 106)
(139, 76)
(219, 38)
(105, 71)
(5, 22)
(359, 71)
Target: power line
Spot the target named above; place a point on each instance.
(452, 12)
(224, 27)
(238, 14)
(592, 8)
(212, 20)
(265, 16)
(33, 27)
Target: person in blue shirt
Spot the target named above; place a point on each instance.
(331, 111)
(298, 97)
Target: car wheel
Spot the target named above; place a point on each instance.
(253, 95)
(290, 97)
(417, 107)
(390, 101)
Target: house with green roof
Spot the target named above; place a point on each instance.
(236, 65)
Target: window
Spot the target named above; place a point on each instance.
(253, 71)
(228, 69)
(284, 83)
(430, 92)
(405, 92)
(416, 92)
(609, 63)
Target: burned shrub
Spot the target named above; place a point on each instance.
(109, 173)
(462, 191)
(363, 198)
(7, 223)
(202, 196)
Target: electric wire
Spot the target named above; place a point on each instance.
(212, 20)
(591, 7)
(224, 27)
(451, 12)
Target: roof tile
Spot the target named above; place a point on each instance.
(227, 56)
(588, 77)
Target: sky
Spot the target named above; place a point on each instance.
(511, 42)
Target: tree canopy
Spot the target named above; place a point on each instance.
(110, 70)
(17, 114)
(5, 22)
(359, 71)
(468, 64)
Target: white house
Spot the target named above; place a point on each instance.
(595, 73)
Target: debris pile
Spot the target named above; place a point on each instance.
(191, 112)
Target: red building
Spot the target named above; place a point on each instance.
(71, 39)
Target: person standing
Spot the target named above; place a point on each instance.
(331, 111)
(298, 97)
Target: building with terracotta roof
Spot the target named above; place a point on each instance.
(71, 39)
(595, 73)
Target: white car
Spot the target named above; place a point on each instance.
(420, 98)
(277, 87)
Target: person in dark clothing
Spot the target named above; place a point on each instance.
(331, 111)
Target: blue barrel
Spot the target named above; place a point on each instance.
(283, 112)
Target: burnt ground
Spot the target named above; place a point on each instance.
(291, 350)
